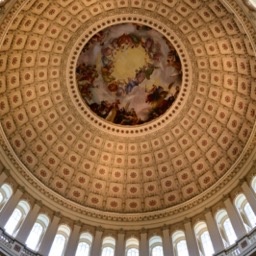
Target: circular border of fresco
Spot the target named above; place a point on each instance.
(129, 74)
(150, 126)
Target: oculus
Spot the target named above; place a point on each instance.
(129, 74)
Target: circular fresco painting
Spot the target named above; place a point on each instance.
(129, 74)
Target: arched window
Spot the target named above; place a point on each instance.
(108, 246)
(60, 241)
(37, 232)
(5, 194)
(132, 247)
(157, 251)
(229, 231)
(203, 239)
(250, 214)
(18, 216)
(132, 252)
(179, 244)
(182, 248)
(247, 215)
(84, 244)
(156, 246)
(225, 227)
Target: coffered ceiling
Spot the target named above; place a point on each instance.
(56, 141)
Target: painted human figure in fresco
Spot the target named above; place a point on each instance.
(160, 103)
(132, 99)
(86, 76)
(113, 111)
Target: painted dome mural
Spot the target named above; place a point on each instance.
(65, 77)
(129, 74)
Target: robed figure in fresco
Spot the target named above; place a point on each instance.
(129, 74)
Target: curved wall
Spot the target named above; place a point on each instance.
(39, 99)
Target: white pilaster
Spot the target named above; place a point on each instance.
(48, 238)
(120, 245)
(235, 219)
(3, 177)
(73, 240)
(97, 242)
(250, 196)
(167, 244)
(214, 232)
(144, 245)
(191, 239)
